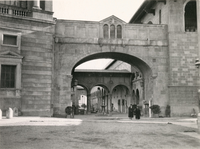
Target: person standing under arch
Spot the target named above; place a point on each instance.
(137, 113)
(130, 111)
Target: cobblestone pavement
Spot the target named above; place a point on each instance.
(98, 132)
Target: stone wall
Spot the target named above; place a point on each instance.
(183, 50)
(36, 47)
(144, 46)
(154, 18)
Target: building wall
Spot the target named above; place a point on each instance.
(183, 50)
(34, 96)
(154, 18)
(142, 45)
(167, 50)
(183, 47)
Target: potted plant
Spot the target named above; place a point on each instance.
(155, 110)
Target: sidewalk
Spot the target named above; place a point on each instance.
(118, 118)
(122, 118)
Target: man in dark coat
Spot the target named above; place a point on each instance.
(137, 113)
(130, 112)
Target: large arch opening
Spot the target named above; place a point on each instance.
(132, 60)
(99, 98)
(139, 76)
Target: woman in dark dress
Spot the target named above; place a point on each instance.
(137, 113)
(130, 112)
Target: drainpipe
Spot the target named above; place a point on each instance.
(197, 63)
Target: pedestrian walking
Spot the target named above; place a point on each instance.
(137, 113)
(130, 112)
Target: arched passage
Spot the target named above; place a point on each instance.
(99, 99)
(130, 59)
(134, 61)
(120, 98)
(78, 42)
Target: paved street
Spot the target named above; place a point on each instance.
(92, 132)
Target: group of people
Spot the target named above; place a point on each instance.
(134, 110)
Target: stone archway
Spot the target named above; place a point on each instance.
(102, 95)
(77, 42)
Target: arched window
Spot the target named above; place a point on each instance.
(190, 17)
(105, 31)
(119, 31)
(112, 31)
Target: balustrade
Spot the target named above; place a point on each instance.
(12, 10)
(3, 10)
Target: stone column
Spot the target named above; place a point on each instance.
(107, 103)
(62, 96)
(9, 113)
(111, 108)
(36, 4)
(128, 101)
(150, 104)
(88, 103)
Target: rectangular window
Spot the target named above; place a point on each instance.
(160, 17)
(42, 5)
(23, 4)
(8, 76)
(10, 39)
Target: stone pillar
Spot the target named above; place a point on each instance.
(9, 113)
(88, 103)
(111, 106)
(150, 104)
(36, 4)
(128, 101)
(0, 114)
(62, 96)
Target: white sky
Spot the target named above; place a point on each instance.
(95, 10)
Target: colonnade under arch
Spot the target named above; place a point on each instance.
(112, 93)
